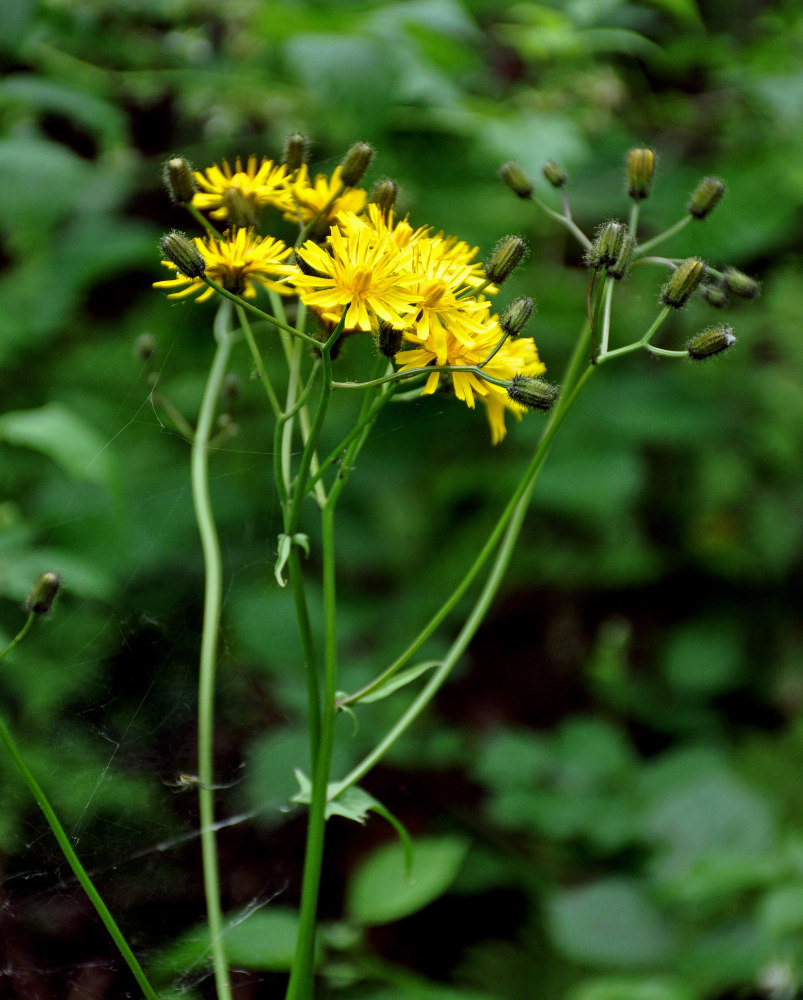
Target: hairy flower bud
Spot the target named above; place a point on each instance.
(517, 316)
(705, 197)
(516, 179)
(145, 346)
(534, 393)
(555, 174)
(715, 294)
(505, 258)
(355, 163)
(43, 593)
(178, 178)
(182, 252)
(611, 245)
(678, 290)
(740, 284)
(295, 151)
(388, 339)
(384, 194)
(241, 210)
(714, 340)
(640, 168)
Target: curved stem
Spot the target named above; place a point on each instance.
(20, 635)
(680, 224)
(213, 593)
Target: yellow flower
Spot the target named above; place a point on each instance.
(308, 198)
(361, 271)
(267, 184)
(239, 262)
(401, 232)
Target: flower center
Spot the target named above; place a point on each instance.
(361, 280)
(433, 293)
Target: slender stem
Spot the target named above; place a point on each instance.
(259, 364)
(566, 221)
(258, 312)
(20, 635)
(213, 593)
(632, 224)
(642, 248)
(607, 297)
(424, 370)
(638, 344)
(72, 859)
(307, 650)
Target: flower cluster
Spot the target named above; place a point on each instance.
(357, 258)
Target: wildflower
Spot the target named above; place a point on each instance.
(359, 270)
(261, 186)
(640, 168)
(309, 198)
(239, 262)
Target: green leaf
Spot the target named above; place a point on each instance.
(610, 922)
(628, 988)
(63, 436)
(378, 892)
(399, 680)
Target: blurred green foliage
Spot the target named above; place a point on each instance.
(623, 747)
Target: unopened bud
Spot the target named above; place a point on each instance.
(231, 387)
(705, 197)
(505, 258)
(715, 295)
(610, 244)
(178, 178)
(620, 266)
(388, 339)
(145, 346)
(516, 179)
(534, 393)
(640, 168)
(182, 252)
(40, 599)
(740, 284)
(384, 194)
(240, 209)
(295, 151)
(712, 341)
(555, 174)
(517, 316)
(355, 163)
(678, 290)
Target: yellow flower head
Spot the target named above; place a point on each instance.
(255, 186)
(374, 219)
(308, 198)
(239, 262)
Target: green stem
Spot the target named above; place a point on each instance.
(566, 221)
(213, 594)
(642, 248)
(638, 344)
(258, 312)
(73, 861)
(20, 635)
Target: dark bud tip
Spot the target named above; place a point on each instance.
(384, 195)
(555, 174)
(388, 339)
(43, 593)
(295, 151)
(715, 295)
(145, 346)
(182, 252)
(611, 248)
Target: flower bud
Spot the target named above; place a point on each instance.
(640, 168)
(231, 387)
(705, 197)
(619, 268)
(355, 163)
(610, 244)
(517, 316)
(43, 593)
(384, 194)
(388, 339)
(145, 346)
(240, 209)
(178, 178)
(714, 340)
(678, 290)
(182, 252)
(516, 179)
(505, 258)
(295, 151)
(740, 284)
(555, 174)
(715, 295)
(534, 393)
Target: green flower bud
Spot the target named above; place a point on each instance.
(534, 393)
(388, 339)
(384, 194)
(231, 387)
(516, 179)
(714, 340)
(505, 258)
(517, 316)
(295, 151)
(241, 210)
(621, 265)
(182, 252)
(555, 174)
(715, 295)
(740, 284)
(705, 197)
(678, 290)
(355, 163)
(611, 243)
(178, 178)
(640, 168)
(43, 593)
(145, 346)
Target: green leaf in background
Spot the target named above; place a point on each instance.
(609, 922)
(65, 437)
(628, 988)
(378, 892)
